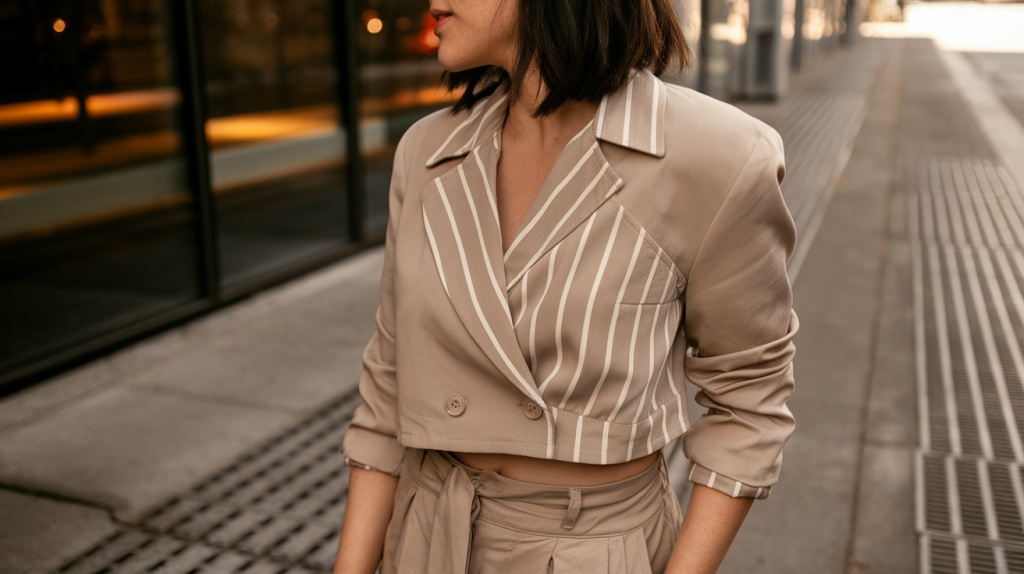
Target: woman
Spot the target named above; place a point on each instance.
(563, 245)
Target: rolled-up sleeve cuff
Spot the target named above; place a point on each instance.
(734, 488)
(371, 450)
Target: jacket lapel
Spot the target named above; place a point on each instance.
(461, 220)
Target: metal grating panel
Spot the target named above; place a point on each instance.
(967, 234)
(279, 509)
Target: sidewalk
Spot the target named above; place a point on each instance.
(85, 456)
(212, 447)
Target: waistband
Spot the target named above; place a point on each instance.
(466, 495)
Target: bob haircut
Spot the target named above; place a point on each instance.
(584, 49)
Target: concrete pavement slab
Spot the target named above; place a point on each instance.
(884, 536)
(298, 357)
(1004, 72)
(935, 120)
(39, 534)
(131, 449)
(256, 368)
(892, 407)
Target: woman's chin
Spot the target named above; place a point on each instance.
(448, 63)
(453, 62)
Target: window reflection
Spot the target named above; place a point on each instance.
(400, 82)
(726, 22)
(277, 146)
(96, 225)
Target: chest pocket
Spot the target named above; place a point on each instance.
(649, 275)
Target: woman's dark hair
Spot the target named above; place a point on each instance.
(584, 49)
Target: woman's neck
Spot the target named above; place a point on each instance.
(550, 132)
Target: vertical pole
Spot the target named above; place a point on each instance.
(851, 20)
(702, 47)
(189, 65)
(796, 56)
(346, 28)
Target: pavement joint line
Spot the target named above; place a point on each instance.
(221, 400)
(61, 498)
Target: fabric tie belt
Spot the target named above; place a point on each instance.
(458, 499)
(458, 506)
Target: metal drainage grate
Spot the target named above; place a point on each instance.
(278, 509)
(967, 230)
(954, 555)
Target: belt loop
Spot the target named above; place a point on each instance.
(575, 503)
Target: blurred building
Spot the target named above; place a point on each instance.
(159, 158)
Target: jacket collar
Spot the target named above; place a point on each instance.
(632, 117)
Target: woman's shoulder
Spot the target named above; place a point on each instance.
(438, 131)
(712, 132)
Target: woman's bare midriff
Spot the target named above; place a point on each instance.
(554, 472)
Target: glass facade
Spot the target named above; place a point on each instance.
(97, 216)
(274, 132)
(159, 158)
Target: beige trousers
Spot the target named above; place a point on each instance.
(452, 519)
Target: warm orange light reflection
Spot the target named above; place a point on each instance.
(428, 96)
(100, 105)
(374, 25)
(248, 128)
(427, 42)
(59, 25)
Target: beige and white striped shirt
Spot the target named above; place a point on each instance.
(655, 253)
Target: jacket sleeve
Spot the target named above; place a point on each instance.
(370, 440)
(739, 325)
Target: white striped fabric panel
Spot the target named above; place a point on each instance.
(567, 288)
(611, 329)
(499, 292)
(590, 309)
(706, 477)
(523, 383)
(533, 322)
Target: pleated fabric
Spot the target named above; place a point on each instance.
(450, 518)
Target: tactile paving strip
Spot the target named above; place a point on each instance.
(967, 232)
(277, 510)
(818, 128)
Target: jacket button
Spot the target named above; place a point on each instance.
(455, 404)
(531, 410)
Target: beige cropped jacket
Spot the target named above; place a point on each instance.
(654, 254)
